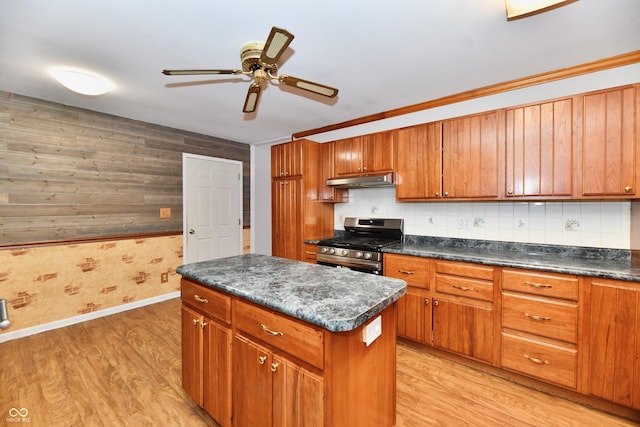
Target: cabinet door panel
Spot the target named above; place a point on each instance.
(470, 157)
(539, 149)
(614, 362)
(347, 158)
(419, 161)
(609, 143)
(252, 384)
(378, 152)
(217, 373)
(413, 321)
(286, 206)
(463, 329)
(297, 396)
(192, 354)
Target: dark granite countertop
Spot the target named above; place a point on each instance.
(594, 262)
(334, 299)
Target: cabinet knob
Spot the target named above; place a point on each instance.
(510, 193)
(627, 189)
(203, 324)
(364, 168)
(262, 359)
(195, 321)
(435, 303)
(437, 194)
(426, 301)
(274, 367)
(446, 193)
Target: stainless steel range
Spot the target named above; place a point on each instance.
(361, 246)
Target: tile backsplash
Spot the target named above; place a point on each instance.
(602, 224)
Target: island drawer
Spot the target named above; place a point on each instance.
(464, 287)
(538, 359)
(411, 269)
(293, 337)
(548, 318)
(464, 269)
(551, 285)
(210, 302)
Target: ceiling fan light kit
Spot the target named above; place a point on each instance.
(260, 62)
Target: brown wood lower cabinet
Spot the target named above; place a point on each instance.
(572, 332)
(455, 313)
(264, 368)
(614, 341)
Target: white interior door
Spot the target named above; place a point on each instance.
(212, 207)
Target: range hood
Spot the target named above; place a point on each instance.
(382, 180)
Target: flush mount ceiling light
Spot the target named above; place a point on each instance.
(522, 8)
(81, 81)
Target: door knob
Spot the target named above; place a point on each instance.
(192, 231)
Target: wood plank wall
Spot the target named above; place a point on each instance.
(68, 173)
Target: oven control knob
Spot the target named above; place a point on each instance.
(367, 255)
(345, 252)
(358, 254)
(332, 251)
(324, 250)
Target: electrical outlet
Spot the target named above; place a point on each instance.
(164, 277)
(165, 213)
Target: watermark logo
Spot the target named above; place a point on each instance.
(20, 415)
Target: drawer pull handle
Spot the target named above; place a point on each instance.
(536, 317)
(262, 359)
(536, 360)
(270, 332)
(274, 367)
(406, 272)
(200, 299)
(539, 285)
(463, 288)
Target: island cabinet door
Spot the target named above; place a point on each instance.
(217, 372)
(297, 395)
(252, 384)
(192, 354)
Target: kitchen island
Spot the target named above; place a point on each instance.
(270, 341)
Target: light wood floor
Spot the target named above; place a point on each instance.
(124, 370)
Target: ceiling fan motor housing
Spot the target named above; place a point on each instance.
(250, 56)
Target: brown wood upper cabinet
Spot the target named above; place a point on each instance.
(330, 194)
(610, 153)
(539, 150)
(419, 165)
(454, 159)
(286, 159)
(365, 154)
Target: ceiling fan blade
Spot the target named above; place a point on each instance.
(191, 72)
(253, 96)
(277, 42)
(328, 91)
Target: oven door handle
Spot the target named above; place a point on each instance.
(348, 262)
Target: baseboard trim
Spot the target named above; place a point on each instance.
(8, 336)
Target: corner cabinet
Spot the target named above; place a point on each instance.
(610, 143)
(297, 211)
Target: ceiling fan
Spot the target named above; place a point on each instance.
(260, 62)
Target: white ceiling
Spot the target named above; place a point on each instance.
(380, 54)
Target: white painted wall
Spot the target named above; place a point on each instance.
(603, 224)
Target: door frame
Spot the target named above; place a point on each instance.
(186, 156)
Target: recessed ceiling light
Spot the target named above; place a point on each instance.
(81, 81)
